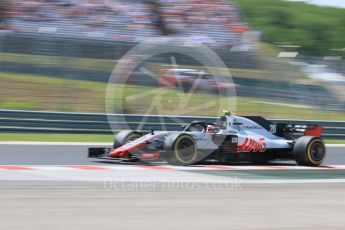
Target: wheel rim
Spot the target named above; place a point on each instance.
(186, 151)
(317, 151)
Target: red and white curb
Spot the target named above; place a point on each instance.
(164, 167)
(115, 174)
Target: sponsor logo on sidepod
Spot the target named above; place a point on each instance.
(252, 145)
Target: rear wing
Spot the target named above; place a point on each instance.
(292, 131)
(288, 130)
(312, 130)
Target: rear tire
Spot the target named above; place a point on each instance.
(124, 137)
(180, 149)
(309, 151)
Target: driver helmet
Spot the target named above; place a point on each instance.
(211, 129)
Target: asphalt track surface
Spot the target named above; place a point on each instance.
(139, 199)
(62, 162)
(31, 154)
(80, 205)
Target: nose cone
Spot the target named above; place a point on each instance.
(118, 153)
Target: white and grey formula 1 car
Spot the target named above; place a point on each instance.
(230, 139)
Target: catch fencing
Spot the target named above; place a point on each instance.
(15, 121)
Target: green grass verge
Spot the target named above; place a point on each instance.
(35, 92)
(59, 61)
(262, 72)
(335, 141)
(46, 137)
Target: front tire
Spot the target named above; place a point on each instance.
(180, 149)
(309, 151)
(124, 137)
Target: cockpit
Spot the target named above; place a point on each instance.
(204, 126)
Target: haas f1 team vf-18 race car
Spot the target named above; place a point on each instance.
(230, 139)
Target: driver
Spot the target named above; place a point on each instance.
(211, 129)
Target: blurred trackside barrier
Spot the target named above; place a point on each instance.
(84, 58)
(17, 121)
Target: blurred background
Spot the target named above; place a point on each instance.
(286, 58)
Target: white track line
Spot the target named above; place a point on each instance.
(289, 181)
(336, 145)
(118, 175)
(149, 176)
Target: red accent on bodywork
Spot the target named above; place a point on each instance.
(255, 147)
(314, 130)
(150, 156)
(119, 152)
(262, 145)
(240, 147)
(251, 145)
(123, 151)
